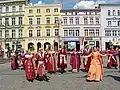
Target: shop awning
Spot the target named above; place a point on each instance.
(71, 39)
(116, 43)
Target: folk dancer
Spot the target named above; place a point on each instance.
(112, 61)
(41, 73)
(87, 65)
(14, 61)
(29, 68)
(62, 60)
(51, 63)
(75, 61)
(95, 72)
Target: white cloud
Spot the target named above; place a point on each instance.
(39, 2)
(88, 4)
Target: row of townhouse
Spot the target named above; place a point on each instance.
(48, 25)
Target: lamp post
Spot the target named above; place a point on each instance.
(59, 21)
(5, 52)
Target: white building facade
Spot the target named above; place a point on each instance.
(11, 22)
(110, 25)
(81, 27)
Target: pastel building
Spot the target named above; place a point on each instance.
(110, 25)
(80, 27)
(11, 23)
(42, 26)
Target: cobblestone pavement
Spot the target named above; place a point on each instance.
(15, 80)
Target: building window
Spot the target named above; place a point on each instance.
(20, 21)
(118, 23)
(97, 21)
(71, 33)
(108, 12)
(13, 8)
(107, 32)
(56, 20)
(76, 13)
(86, 32)
(38, 10)
(114, 32)
(47, 32)
(71, 20)
(47, 10)
(65, 32)
(56, 10)
(97, 32)
(89, 13)
(48, 20)
(30, 11)
(85, 21)
(113, 12)
(0, 9)
(65, 20)
(38, 33)
(7, 9)
(30, 33)
(0, 21)
(30, 21)
(77, 20)
(13, 33)
(20, 8)
(91, 20)
(118, 12)
(109, 23)
(7, 21)
(114, 23)
(13, 21)
(7, 33)
(118, 32)
(91, 32)
(77, 32)
(38, 21)
(56, 32)
(0, 34)
(20, 33)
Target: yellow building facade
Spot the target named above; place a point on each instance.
(42, 27)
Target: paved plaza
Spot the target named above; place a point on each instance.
(15, 80)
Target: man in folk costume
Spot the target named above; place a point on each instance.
(14, 63)
(51, 64)
(29, 68)
(62, 60)
(75, 61)
(22, 55)
(87, 65)
(112, 61)
(41, 74)
(46, 58)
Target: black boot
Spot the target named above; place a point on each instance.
(62, 71)
(46, 78)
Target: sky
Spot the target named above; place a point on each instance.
(77, 3)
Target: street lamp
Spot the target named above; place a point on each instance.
(59, 21)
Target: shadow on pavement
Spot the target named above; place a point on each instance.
(82, 76)
(114, 77)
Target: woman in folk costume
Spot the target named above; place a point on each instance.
(62, 60)
(87, 65)
(14, 63)
(29, 68)
(95, 72)
(112, 61)
(51, 64)
(119, 58)
(75, 61)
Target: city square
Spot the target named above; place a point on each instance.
(59, 44)
(15, 80)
